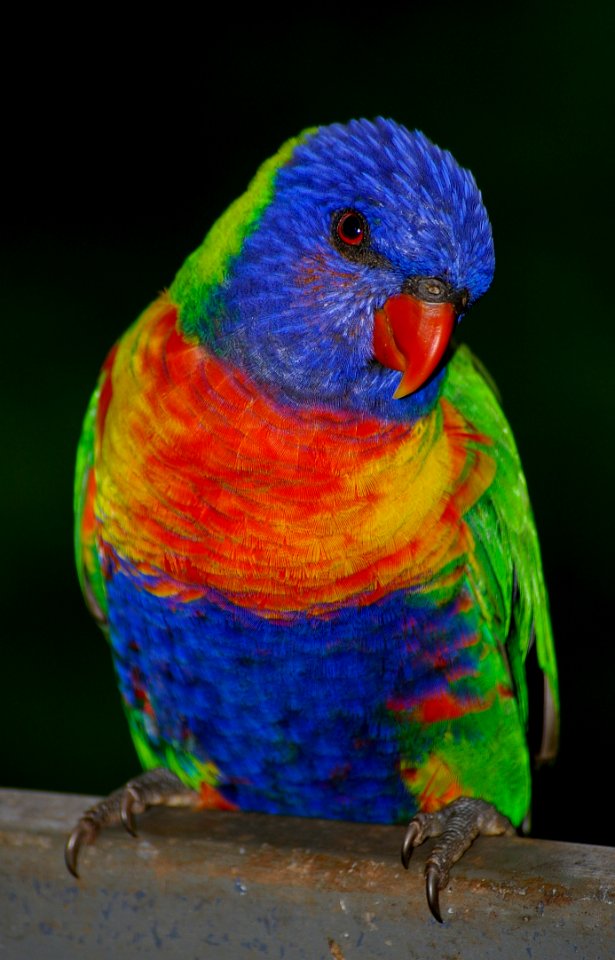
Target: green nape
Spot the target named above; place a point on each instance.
(194, 287)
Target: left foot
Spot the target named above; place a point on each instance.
(154, 788)
(458, 824)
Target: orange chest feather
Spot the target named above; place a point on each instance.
(203, 483)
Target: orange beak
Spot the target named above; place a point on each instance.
(411, 335)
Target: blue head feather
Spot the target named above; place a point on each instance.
(297, 315)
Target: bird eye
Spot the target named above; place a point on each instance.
(350, 235)
(351, 228)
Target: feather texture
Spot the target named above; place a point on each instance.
(317, 605)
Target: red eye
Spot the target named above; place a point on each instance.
(351, 228)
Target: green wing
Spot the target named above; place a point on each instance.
(508, 577)
(86, 553)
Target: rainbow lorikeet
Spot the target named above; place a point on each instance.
(301, 518)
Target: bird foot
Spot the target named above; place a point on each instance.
(154, 788)
(458, 824)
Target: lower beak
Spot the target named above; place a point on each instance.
(411, 335)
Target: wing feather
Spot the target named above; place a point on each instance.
(508, 568)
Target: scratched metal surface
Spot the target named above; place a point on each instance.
(232, 886)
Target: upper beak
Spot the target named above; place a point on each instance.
(411, 335)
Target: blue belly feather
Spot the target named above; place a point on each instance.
(293, 713)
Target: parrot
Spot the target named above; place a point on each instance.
(301, 520)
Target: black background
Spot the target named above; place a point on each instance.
(120, 150)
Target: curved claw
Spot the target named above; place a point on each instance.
(432, 887)
(409, 842)
(85, 830)
(127, 811)
(71, 852)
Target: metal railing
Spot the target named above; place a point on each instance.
(232, 886)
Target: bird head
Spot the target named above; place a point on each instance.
(338, 278)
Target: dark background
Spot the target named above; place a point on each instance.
(119, 153)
